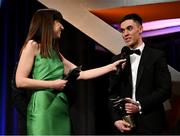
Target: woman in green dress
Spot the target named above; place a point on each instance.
(40, 56)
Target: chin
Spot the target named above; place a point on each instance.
(58, 35)
(129, 44)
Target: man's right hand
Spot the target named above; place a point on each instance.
(122, 125)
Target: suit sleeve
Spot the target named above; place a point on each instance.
(113, 93)
(161, 86)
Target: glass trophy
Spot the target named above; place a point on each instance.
(119, 104)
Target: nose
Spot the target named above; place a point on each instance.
(125, 33)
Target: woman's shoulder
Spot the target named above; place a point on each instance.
(33, 45)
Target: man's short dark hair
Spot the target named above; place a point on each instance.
(132, 16)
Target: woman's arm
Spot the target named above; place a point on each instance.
(24, 69)
(91, 73)
(96, 72)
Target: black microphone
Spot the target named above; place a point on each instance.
(125, 52)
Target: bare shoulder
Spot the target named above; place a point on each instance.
(32, 46)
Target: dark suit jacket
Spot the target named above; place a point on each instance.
(153, 87)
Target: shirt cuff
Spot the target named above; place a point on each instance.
(139, 106)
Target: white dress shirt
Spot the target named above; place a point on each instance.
(135, 59)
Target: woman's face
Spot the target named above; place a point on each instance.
(58, 27)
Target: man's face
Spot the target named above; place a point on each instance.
(131, 32)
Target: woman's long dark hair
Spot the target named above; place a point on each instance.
(41, 30)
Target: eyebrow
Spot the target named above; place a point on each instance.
(121, 29)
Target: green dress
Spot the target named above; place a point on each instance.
(48, 111)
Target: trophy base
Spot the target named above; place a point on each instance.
(129, 119)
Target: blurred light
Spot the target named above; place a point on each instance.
(160, 24)
(161, 31)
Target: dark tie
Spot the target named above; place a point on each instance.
(137, 51)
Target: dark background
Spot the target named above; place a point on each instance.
(88, 99)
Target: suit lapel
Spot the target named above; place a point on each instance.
(129, 75)
(142, 63)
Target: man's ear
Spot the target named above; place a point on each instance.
(141, 29)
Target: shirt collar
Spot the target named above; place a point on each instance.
(141, 47)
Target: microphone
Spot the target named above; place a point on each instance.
(125, 52)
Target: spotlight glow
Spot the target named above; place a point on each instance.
(161, 24)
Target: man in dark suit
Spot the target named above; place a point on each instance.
(144, 80)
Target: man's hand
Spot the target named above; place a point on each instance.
(131, 106)
(122, 125)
